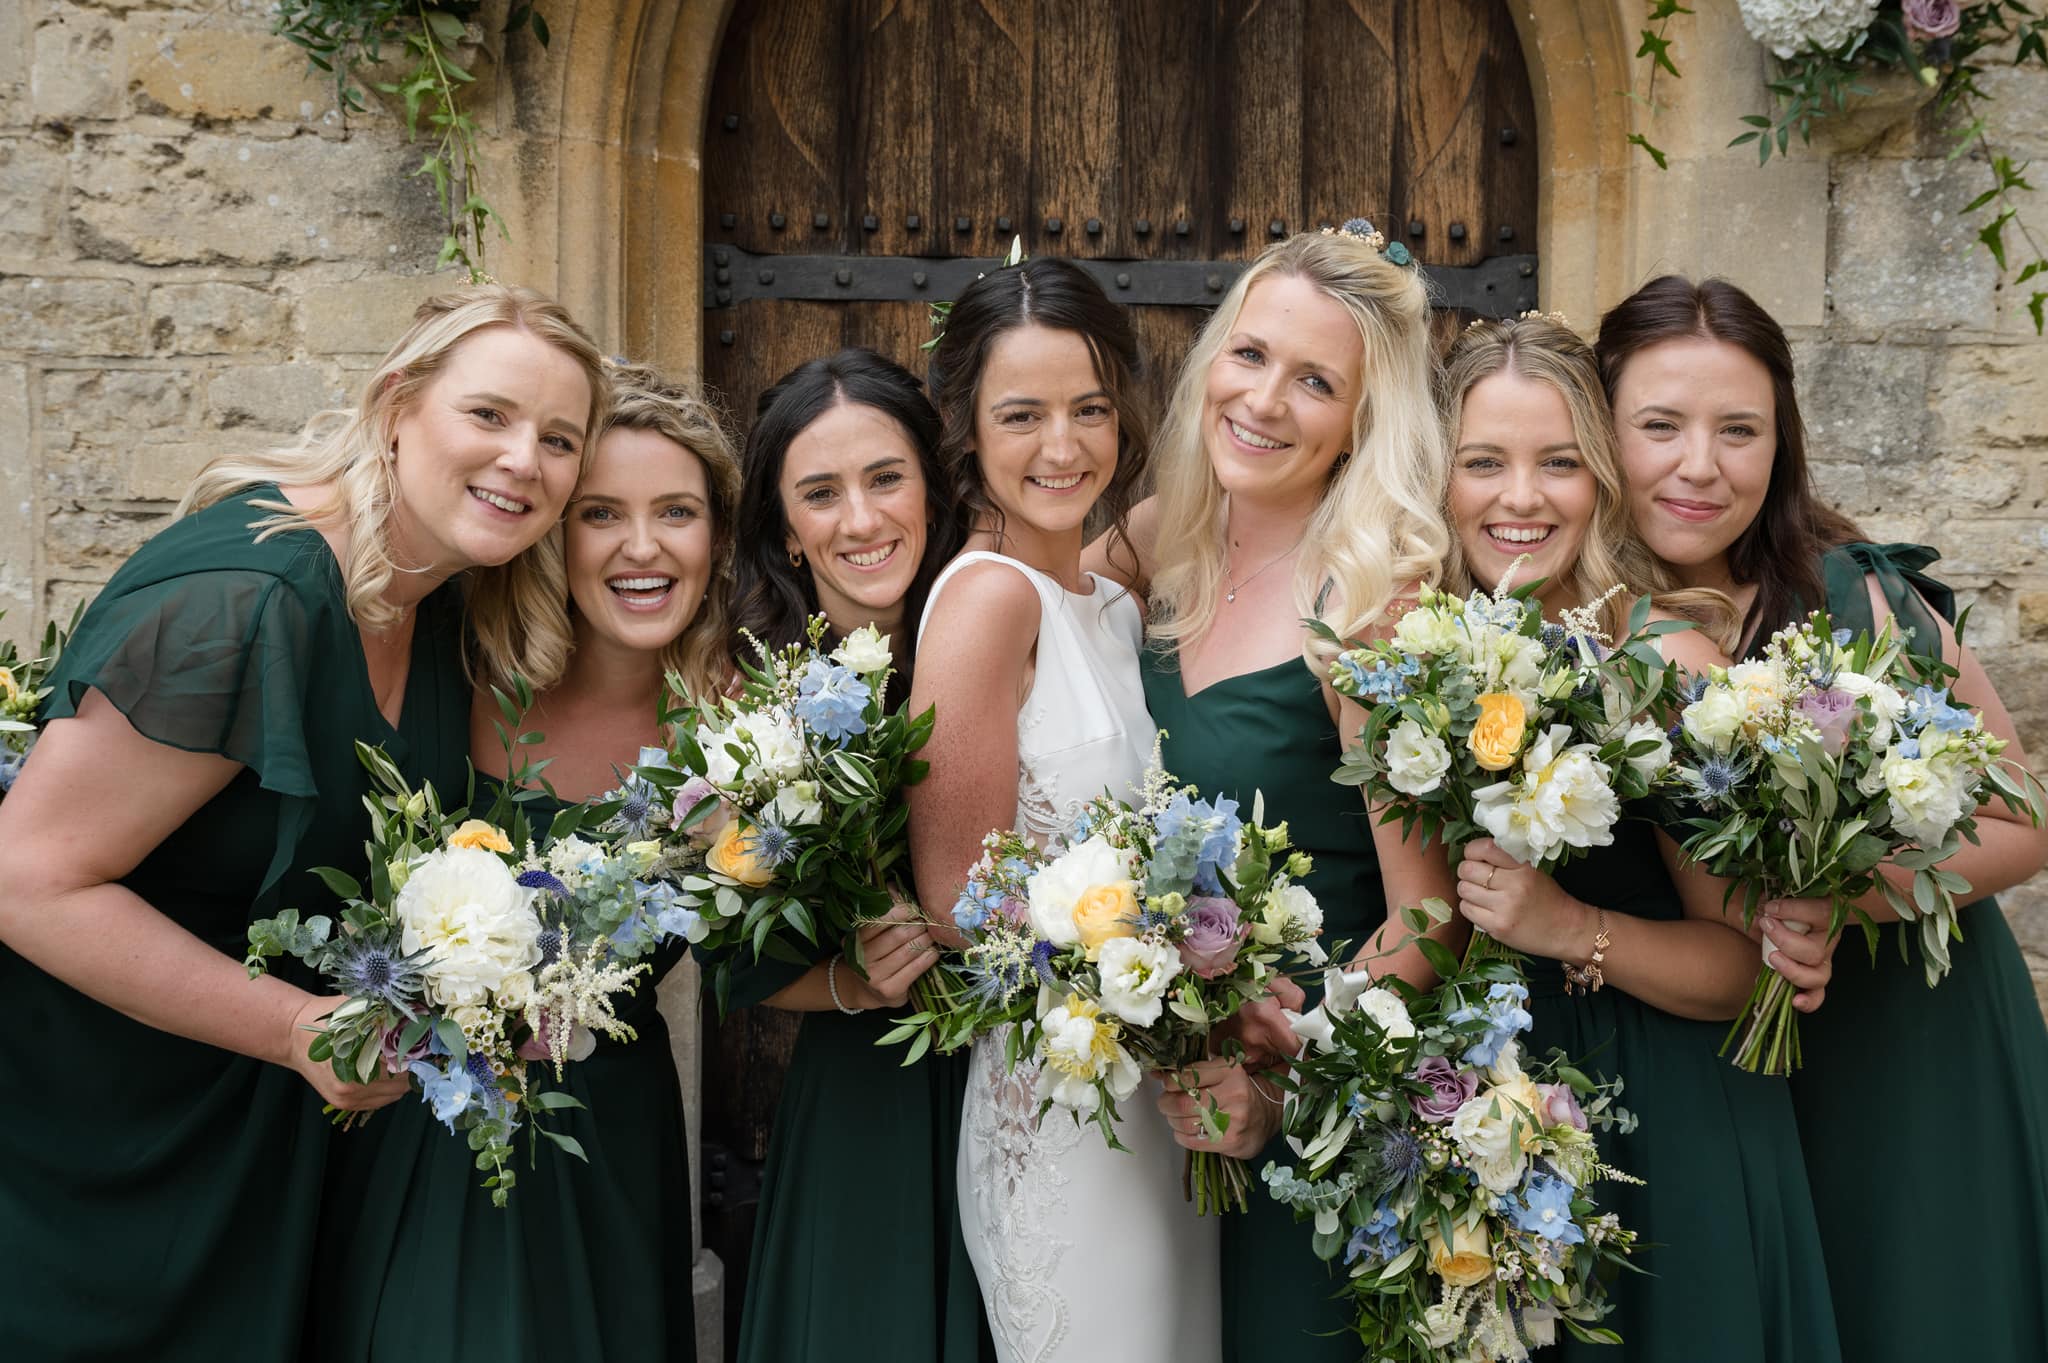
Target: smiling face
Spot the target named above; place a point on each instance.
(1045, 433)
(853, 498)
(639, 541)
(1278, 405)
(1697, 423)
(1519, 483)
(487, 452)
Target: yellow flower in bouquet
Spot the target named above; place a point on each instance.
(1466, 1260)
(480, 835)
(1106, 911)
(738, 855)
(1497, 737)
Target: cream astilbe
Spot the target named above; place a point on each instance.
(576, 992)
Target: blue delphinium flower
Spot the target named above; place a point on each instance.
(673, 916)
(374, 970)
(1380, 1237)
(1219, 846)
(1543, 1206)
(449, 1093)
(832, 700)
(1930, 706)
(10, 768)
(968, 913)
(1504, 1016)
(1908, 748)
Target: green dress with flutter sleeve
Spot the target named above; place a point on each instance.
(587, 1261)
(1924, 1112)
(1269, 732)
(158, 1197)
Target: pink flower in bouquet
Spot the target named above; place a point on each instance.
(1215, 932)
(1450, 1088)
(693, 793)
(1832, 712)
(1932, 18)
(582, 1041)
(1561, 1106)
(395, 1060)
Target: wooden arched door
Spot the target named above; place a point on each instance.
(863, 158)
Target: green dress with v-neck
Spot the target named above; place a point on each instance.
(588, 1260)
(1924, 1112)
(159, 1198)
(1270, 733)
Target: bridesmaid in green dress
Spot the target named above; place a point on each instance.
(588, 1260)
(164, 1145)
(1701, 382)
(857, 1254)
(1298, 470)
(1728, 1243)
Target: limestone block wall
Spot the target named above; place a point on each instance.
(197, 249)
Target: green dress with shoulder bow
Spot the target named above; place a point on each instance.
(1924, 1112)
(159, 1198)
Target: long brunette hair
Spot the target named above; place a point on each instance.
(1781, 550)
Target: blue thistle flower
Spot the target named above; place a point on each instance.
(1551, 636)
(1397, 1164)
(373, 970)
(635, 816)
(543, 880)
(1717, 776)
(1695, 687)
(773, 843)
(551, 941)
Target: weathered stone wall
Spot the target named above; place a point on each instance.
(196, 250)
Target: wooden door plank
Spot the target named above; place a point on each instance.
(891, 135)
(1255, 89)
(1349, 114)
(894, 330)
(1511, 168)
(985, 137)
(790, 90)
(1439, 159)
(1164, 93)
(1075, 128)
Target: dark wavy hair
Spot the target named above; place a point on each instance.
(1059, 295)
(771, 599)
(1781, 550)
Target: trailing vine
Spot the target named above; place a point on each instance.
(1946, 44)
(343, 37)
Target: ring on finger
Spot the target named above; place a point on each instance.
(1489, 876)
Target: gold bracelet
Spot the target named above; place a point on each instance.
(1588, 977)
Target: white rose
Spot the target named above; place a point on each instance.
(1715, 718)
(1486, 1138)
(514, 992)
(1416, 759)
(1760, 687)
(1058, 887)
(865, 651)
(1292, 918)
(1648, 731)
(1426, 629)
(796, 802)
(463, 906)
(1384, 1006)
(777, 743)
(1135, 977)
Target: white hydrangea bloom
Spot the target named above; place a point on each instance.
(1789, 27)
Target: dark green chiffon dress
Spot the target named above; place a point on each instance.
(1728, 1241)
(158, 1197)
(857, 1254)
(1270, 732)
(1924, 1112)
(588, 1261)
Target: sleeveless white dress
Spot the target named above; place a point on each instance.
(1083, 1253)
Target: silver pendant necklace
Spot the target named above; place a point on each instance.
(1230, 592)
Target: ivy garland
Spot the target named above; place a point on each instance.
(1947, 45)
(340, 37)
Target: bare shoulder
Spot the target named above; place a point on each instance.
(987, 611)
(1691, 649)
(1111, 557)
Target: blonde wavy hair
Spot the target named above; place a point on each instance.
(1377, 530)
(1545, 350)
(642, 400)
(518, 622)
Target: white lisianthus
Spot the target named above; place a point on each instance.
(1715, 718)
(1558, 683)
(1564, 798)
(777, 743)
(1135, 977)
(1887, 706)
(1520, 660)
(514, 992)
(1427, 629)
(797, 802)
(1760, 686)
(1078, 1049)
(1648, 731)
(1384, 1006)
(464, 907)
(1484, 1129)
(721, 768)
(1923, 806)
(865, 651)
(1416, 759)
(572, 858)
(1291, 918)
(1057, 888)
(1443, 1322)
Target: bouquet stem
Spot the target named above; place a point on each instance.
(1485, 948)
(1214, 1183)
(1768, 1028)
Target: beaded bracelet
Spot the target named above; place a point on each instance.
(832, 987)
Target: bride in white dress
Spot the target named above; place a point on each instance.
(1083, 1253)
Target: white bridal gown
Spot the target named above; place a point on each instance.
(1084, 1254)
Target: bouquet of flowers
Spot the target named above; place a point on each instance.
(21, 693)
(1120, 949)
(468, 959)
(1451, 1173)
(1483, 719)
(1803, 773)
(777, 807)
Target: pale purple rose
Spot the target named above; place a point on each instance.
(1832, 712)
(706, 830)
(1932, 18)
(396, 1061)
(1450, 1088)
(1561, 1106)
(1215, 931)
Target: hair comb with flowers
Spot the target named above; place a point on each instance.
(1363, 230)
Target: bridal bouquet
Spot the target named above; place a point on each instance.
(21, 692)
(1450, 1172)
(779, 806)
(1483, 719)
(469, 958)
(1803, 773)
(1120, 949)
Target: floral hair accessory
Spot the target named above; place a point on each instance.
(1362, 229)
(942, 312)
(1533, 315)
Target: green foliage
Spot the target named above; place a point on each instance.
(341, 36)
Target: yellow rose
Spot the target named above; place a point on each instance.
(1497, 737)
(737, 856)
(1104, 912)
(1520, 1102)
(1468, 1259)
(481, 836)
(9, 690)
